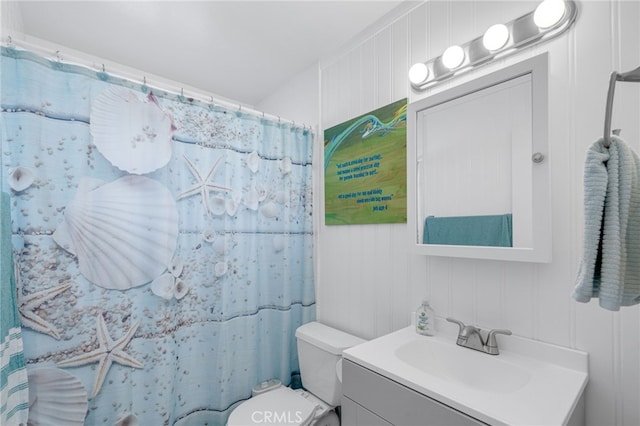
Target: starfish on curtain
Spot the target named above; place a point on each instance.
(203, 186)
(28, 305)
(108, 352)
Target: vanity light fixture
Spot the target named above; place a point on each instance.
(550, 19)
(453, 57)
(548, 13)
(418, 73)
(495, 37)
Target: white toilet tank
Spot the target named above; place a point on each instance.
(319, 352)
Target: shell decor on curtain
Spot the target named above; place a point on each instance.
(163, 246)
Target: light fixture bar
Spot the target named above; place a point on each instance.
(522, 31)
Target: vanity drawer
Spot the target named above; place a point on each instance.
(393, 402)
(356, 414)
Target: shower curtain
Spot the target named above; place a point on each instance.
(164, 246)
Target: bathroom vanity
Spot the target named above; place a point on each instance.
(379, 401)
(407, 379)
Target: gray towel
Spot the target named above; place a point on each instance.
(610, 265)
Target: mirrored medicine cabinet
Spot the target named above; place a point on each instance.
(478, 167)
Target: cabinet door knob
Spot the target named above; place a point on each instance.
(537, 157)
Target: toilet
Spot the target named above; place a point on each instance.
(320, 356)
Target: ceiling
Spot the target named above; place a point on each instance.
(240, 50)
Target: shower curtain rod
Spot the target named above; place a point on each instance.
(72, 57)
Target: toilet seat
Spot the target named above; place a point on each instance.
(281, 406)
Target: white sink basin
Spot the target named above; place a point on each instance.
(489, 373)
(529, 383)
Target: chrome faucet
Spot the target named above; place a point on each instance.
(471, 337)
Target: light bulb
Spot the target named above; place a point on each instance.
(418, 73)
(495, 37)
(548, 13)
(453, 57)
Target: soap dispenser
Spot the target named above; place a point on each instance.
(425, 319)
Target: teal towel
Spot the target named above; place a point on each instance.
(14, 407)
(490, 230)
(610, 264)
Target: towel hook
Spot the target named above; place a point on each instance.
(609, 107)
(631, 76)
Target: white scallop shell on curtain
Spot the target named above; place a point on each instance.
(56, 397)
(253, 161)
(124, 233)
(20, 178)
(134, 134)
(163, 286)
(127, 419)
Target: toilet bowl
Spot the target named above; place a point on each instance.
(284, 406)
(320, 354)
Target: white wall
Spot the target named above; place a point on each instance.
(10, 18)
(368, 281)
(298, 100)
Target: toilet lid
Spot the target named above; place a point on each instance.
(281, 406)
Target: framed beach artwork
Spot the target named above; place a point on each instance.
(365, 160)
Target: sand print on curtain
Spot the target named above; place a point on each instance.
(164, 246)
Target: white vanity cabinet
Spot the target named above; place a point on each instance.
(370, 399)
(405, 379)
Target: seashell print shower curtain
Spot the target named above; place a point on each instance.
(163, 247)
